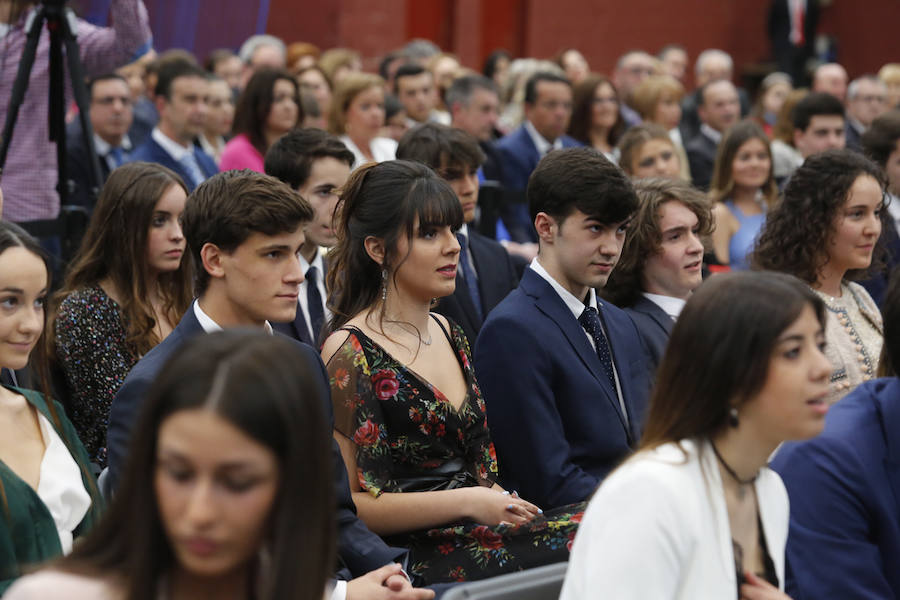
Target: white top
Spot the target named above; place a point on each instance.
(382, 149)
(60, 486)
(670, 305)
(658, 529)
(103, 149)
(210, 326)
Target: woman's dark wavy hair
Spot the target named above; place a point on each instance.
(274, 393)
(889, 365)
(795, 236)
(383, 200)
(732, 319)
(255, 103)
(583, 110)
(115, 248)
(13, 236)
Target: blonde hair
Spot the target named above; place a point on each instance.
(352, 85)
(649, 93)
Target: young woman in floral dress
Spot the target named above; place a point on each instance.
(409, 415)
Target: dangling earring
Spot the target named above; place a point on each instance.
(383, 285)
(733, 417)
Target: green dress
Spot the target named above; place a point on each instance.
(28, 534)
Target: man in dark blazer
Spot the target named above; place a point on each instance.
(564, 376)
(792, 26)
(111, 118)
(844, 488)
(181, 98)
(248, 275)
(548, 108)
(485, 274)
(719, 109)
(661, 264)
(316, 164)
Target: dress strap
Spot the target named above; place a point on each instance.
(444, 329)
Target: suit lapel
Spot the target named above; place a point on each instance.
(549, 303)
(624, 374)
(659, 316)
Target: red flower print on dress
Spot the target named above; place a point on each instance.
(446, 548)
(367, 434)
(465, 359)
(486, 538)
(341, 378)
(385, 384)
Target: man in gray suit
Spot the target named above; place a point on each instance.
(662, 260)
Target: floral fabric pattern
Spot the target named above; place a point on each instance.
(403, 427)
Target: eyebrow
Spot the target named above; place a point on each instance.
(676, 229)
(13, 290)
(274, 247)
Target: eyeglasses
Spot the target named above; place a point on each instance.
(870, 99)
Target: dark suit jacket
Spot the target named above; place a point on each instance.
(78, 168)
(792, 59)
(496, 279)
(519, 157)
(554, 416)
(150, 151)
(654, 327)
(299, 328)
(844, 488)
(701, 152)
(852, 138)
(360, 550)
(690, 119)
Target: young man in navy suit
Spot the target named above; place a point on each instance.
(485, 274)
(317, 165)
(245, 231)
(182, 95)
(662, 261)
(564, 376)
(548, 109)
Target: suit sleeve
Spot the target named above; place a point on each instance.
(122, 414)
(359, 549)
(832, 549)
(515, 371)
(631, 543)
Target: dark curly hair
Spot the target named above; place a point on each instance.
(797, 230)
(644, 238)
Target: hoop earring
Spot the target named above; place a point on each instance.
(384, 285)
(733, 419)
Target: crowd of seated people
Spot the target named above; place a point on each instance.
(332, 333)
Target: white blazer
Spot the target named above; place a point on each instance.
(658, 529)
(382, 149)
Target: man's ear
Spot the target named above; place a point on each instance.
(798, 133)
(546, 227)
(212, 258)
(375, 248)
(160, 102)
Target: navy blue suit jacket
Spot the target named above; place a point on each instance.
(150, 151)
(519, 157)
(359, 549)
(701, 152)
(554, 416)
(844, 488)
(654, 327)
(496, 278)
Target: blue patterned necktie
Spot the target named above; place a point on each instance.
(590, 320)
(189, 162)
(117, 157)
(314, 305)
(468, 273)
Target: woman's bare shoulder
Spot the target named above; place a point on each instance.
(50, 585)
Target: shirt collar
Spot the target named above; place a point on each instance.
(575, 305)
(464, 229)
(670, 305)
(540, 142)
(172, 148)
(103, 147)
(711, 133)
(210, 326)
(317, 262)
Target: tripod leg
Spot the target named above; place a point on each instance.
(20, 86)
(76, 73)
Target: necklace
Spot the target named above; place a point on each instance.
(409, 328)
(732, 473)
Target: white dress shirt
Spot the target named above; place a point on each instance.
(172, 148)
(542, 144)
(210, 326)
(671, 306)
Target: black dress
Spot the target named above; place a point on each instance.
(406, 430)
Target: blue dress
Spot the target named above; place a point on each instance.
(744, 238)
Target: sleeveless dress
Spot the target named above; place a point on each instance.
(742, 241)
(404, 428)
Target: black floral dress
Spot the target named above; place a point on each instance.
(405, 428)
